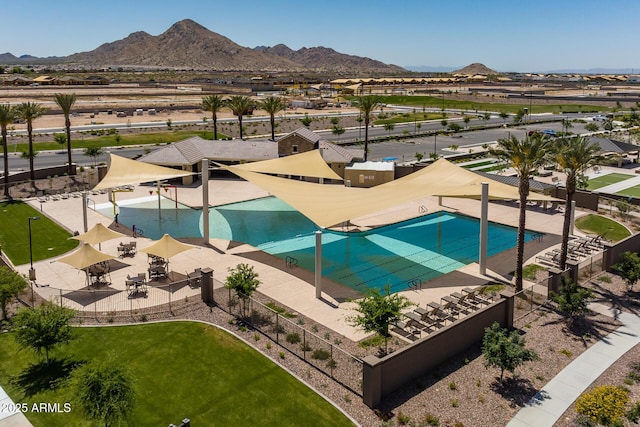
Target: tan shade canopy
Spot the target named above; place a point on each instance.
(310, 164)
(98, 234)
(328, 205)
(85, 257)
(123, 171)
(166, 247)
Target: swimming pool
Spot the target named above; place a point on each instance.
(400, 255)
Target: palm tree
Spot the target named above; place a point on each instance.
(65, 102)
(367, 104)
(573, 157)
(7, 115)
(272, 106)
(566, 125)
(240, 105)
(29, 111)
(213, 103)
(525, 156)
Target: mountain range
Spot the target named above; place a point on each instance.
(187, 45)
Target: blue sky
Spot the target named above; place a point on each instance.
(505, 35)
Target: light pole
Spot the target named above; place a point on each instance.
(32, 272)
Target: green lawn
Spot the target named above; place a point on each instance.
(608, 179)
(182, 370)
(49, 239)
(409, 118)
(600, 225)
(86, 140)
(631, 191)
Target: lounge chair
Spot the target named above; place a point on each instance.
(476, 296)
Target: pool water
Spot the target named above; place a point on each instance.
(400, 255)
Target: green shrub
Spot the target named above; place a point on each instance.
(431, 420)
(633, 414)
(320, 354)
(293, 338)
(604, 404)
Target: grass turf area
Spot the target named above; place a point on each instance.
(608, 179)
(600, 225)
(181, 370)
(105, 140)
(631, 191)
(49, 239)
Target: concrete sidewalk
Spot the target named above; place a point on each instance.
(11, 418)
(548, 405)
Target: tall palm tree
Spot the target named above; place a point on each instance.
(240, 105)
(525, 156)
(65, 101)
(7, 115)
(574, 157)
(367, 104)
(29, 111)
(213, 103)
(272, 105)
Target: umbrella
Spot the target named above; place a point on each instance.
(166, 247)
(97, 234)
(85, 257)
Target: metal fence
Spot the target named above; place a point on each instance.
(158, 301)
(339, 365)
(530, 299)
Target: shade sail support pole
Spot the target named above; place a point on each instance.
(484, 228)
(85, 202)
(318, 266)
(205, 201)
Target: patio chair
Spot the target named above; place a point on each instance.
(429, 317)
(194, 279)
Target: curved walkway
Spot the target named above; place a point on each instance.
(548, 405)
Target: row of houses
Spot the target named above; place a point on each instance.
(18, 80)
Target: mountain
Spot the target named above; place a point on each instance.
(8, 58)
(326, 59)
(476, 68)
(187, 45)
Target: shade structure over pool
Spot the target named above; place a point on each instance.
(123, 171)
(310, 164)
(329, 205)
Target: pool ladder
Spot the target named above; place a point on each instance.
(291, 262)
(415, 284)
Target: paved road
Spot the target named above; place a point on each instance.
(403, 150)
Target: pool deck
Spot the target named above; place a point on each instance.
(277, 283)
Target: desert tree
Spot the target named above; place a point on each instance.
(525, 156)
(7, 116)
(505, 350)
(104, 391)
(66, 101)
(272, 105)
(367, 104)
(243, 280)
(573, 156)
(629, 268)
(29, 111)
(94, 152)
(377, 310)
(572, 299)
(43, 327)
(240, 105)
(213, 104)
